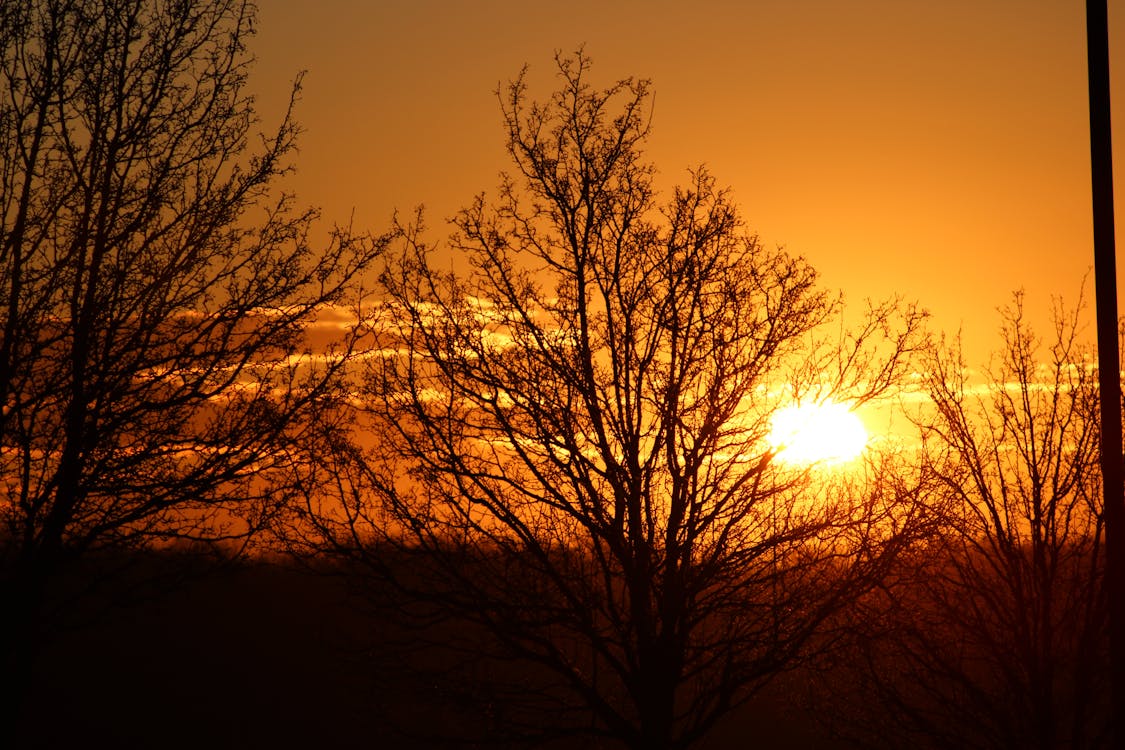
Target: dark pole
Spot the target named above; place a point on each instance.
(1109, 375)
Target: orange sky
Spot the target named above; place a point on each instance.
(937, 150)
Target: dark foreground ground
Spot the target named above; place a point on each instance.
(271, 658)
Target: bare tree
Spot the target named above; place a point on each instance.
(156, 292)
(571, 438)
(994, 634)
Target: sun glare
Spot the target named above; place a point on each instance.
(825, 432)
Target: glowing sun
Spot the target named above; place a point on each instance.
(822, 432)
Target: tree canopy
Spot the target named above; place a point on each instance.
(156, 289)
(571, 437)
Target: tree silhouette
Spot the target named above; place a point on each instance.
(994, 635)
(571, 438)
(156, 293)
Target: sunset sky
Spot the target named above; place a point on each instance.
(936, 150)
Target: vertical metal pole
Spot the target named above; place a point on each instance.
(1109, 378)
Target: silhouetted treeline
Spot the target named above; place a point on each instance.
(270, 655)
(534, 502)
(941, 661)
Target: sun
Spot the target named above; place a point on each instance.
(823, 432)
